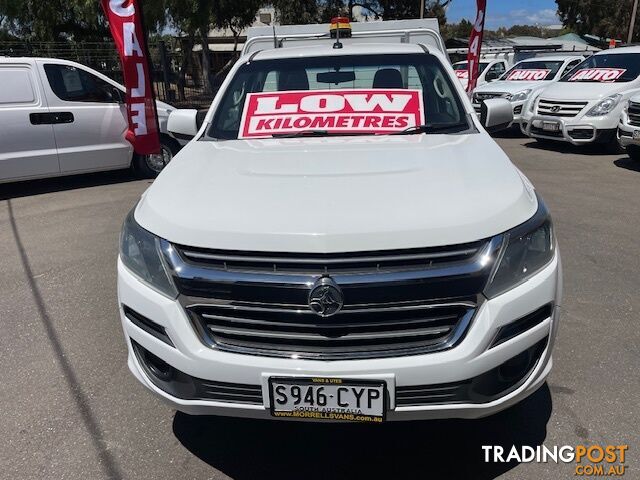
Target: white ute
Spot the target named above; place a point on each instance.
(629, 128)
(341, 241)
(524, 80)
(489, 70)
(62, 118)
(586, 104)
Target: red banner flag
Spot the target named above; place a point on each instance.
(125, 23)
(475, 44)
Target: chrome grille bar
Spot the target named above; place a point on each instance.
(559, 108)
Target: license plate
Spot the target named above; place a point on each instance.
(333, 399)
(551, 126)
(636, 134)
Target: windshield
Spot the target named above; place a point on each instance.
(613, 67)
(333, 93)
(533, 70)
(464, 66)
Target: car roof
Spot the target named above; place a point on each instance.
(328, 50)
(551, 58)
(633, 49)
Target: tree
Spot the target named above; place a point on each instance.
(608, 19)
(235, 16)
(60, 20)
(300, 12)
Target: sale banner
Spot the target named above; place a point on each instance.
(530, 74)
(345, 111)
(475, 44)
(126, 28)
(597, 74)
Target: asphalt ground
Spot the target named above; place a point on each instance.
(69, 409)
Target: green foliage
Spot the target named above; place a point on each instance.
(604, 18)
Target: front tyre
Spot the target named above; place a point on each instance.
(149, 166)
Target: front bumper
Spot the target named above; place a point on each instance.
(469, 359)
(625, 132)
(579, 130)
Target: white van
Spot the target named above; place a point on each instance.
(629, 128)
(61, 118)
(585, 105)
(524, 80)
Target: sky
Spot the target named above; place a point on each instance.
(504, 13)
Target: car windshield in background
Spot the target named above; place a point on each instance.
(533, 70)
(350, 82)
(613, 67)
(463, 66)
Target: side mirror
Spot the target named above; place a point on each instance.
(183, 123)
(496, 114)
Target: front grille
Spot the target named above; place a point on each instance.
(634, 114)
(558, 108)
(582, 133)
(395, 303)
(358, 331)
(227, 392)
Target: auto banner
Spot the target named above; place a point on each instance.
(475, 44)
(528, 74)
(125, 23)
(602, 74)
(344, 111)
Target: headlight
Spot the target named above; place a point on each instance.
(518, 97)
(526, 250)
(140, 251)
(604, 106)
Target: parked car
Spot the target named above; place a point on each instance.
(629, 128)
(524, 80)
(585, 105)
(321, 250)
(488, 71)
(61, 118)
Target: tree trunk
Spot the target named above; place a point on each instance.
(206, 62)
(227, 66)
(187, 51)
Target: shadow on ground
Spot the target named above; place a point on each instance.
(628, 164)
(60, 184)
(568, 148)
(447, 449)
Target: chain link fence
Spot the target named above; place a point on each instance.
(177, 76)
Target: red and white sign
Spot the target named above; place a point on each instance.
(336, 111)
(462, 74)
(128, 34)
(531, 74)
(597, 74)
(475, 43)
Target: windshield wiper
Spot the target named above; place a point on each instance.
(302, 133)
(431, 128)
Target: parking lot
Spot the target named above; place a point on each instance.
(70, 409)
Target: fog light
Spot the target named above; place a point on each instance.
(515, 368)
(156, 366)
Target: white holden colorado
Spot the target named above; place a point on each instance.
(341, 240)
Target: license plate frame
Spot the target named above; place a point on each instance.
(550, 126)
(636, 135)
(329, 413)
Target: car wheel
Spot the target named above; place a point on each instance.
(149, 166)
(634, 152)
(611, 145)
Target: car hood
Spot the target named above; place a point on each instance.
(504, 86)
(582, 90)
(338, 194)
